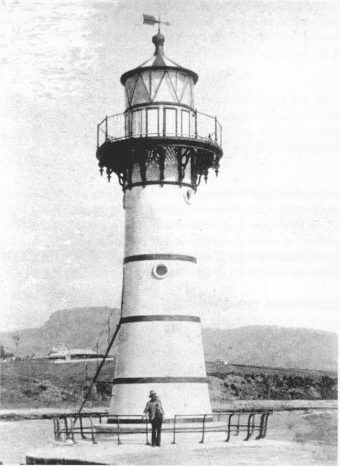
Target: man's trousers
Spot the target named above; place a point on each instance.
(156, 432)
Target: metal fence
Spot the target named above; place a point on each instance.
(161, 121)
(228, 422)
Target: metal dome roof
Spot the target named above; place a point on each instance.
(158, 61)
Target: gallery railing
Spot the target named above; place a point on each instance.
(161, 121)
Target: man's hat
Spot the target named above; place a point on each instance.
(152, 393)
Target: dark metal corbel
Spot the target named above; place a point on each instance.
(120, 179)
(108, 173)
(180, 169)
(206, 171)
(142, 169)
(161, 162)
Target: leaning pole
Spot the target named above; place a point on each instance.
(160, 148)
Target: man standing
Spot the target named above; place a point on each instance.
(155, 412)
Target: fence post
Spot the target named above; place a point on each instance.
(146, 431)
(55, 429)
(118, 431)
(203, 429)
(66, 425)
(174, 437)
(229, 426)
(238, 424)
(249, 426)
(92, 432)
(263, 415)
(264, 432)
(81, 427)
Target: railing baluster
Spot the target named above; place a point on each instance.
(196, 124)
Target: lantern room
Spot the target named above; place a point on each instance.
(159, 96)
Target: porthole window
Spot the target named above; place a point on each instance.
(188, 195)
(160, 271)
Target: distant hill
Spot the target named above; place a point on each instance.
(254, 345)
(273, 346)
(73, 328)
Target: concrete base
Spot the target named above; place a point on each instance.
(187, 451)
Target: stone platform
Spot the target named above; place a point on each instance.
(187, 451)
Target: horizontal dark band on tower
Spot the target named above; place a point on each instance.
(153, 257)
(150, 318)
(161, 183)
(129, 380)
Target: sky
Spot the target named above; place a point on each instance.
(267, 227)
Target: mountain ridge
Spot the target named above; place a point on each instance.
(261, 345)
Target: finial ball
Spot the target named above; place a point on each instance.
(158, 39)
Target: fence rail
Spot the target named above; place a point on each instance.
(234, 421)
(162, 121)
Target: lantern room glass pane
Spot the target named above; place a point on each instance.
(137, 123)
(146, 75)
(141, 94)
(181, 82)
(129, 88)
(156, 79)
(170, 122)
(152, 121)
(173, 78)
(185, 123)
(127, 124)
(186, 96)
(192, 93)
(166, 91)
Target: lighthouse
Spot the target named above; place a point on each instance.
(160, 148)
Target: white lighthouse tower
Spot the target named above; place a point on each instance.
(159, 148)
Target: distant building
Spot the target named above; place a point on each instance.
(73, 355)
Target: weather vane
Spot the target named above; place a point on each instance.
(151, 20)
